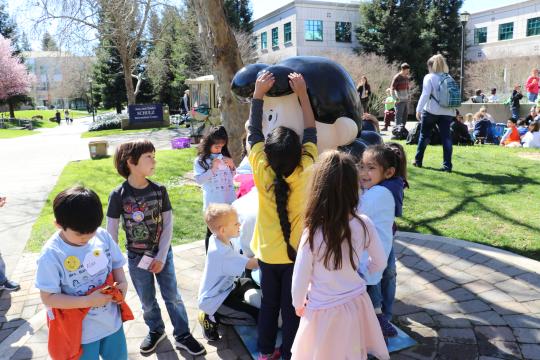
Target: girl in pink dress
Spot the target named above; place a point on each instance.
(337, 316)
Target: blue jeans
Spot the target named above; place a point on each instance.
(3, 278)
(383, 294)
(532, 97)
(143, 281)
(515, 112)
(112, 347)
(426, 129)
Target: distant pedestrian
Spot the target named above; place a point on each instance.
(478, 97)
(430, 113)
(493, 98)
(389, 109)
(364, 91)
(532, 85)
(6, 284)
(58, 116)
(514, 105)
(185, 103)
(66, 116)
(400, 91)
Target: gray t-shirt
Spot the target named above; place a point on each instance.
(74, 270)
(141, 212)
(223, 265)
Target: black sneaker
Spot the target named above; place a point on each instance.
(189, 344)
(10, 286)
(210, 328)
(151, 341)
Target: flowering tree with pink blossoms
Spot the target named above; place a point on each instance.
(14, 78)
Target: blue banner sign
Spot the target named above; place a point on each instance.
(145, 113)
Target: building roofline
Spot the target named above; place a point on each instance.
(293, 3)
(504, 7)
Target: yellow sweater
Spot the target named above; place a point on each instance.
(268, 243)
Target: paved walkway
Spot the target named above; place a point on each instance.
(459, 300)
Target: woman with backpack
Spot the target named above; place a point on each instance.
(436, 106)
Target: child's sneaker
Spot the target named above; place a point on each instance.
(275, 356)
(210, 328)
(387, 329)
(189, 344)
(151, 341)
(10, 286)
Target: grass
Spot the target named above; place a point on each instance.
(101, 176)
(90, 134)
(491, 197)
(28, 114)
(10, 133)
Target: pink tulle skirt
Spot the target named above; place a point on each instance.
(345, 332)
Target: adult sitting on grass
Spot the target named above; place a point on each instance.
(533, 115)
(482, 126)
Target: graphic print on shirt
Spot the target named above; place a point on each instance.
(142, 220)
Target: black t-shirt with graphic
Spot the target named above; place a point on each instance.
(141, 212)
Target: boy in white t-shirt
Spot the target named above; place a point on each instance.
(76, 259)
(222, 291)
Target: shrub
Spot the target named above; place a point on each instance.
(108, 124)
(37, 117)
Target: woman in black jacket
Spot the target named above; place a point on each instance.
(364, 91)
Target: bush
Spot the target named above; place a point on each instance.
(37, 117)
(108, 124)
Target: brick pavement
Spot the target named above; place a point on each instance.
(457, 299)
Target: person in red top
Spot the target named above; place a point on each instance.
(532, 85)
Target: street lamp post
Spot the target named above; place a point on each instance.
(92, 102)
(464, 18)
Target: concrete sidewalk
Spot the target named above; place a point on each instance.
(459, 300)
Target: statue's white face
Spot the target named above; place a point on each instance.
(286, 111)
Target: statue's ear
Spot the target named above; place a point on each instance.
(243, 83)
(281, 85)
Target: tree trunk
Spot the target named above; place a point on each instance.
(11, 108)
(222, 50)
(130, 90)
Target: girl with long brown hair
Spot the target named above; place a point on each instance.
(337, 316)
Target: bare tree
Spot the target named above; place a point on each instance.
(222, 49)
(117, 23)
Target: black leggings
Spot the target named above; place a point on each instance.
(208, 234)
(234, 309)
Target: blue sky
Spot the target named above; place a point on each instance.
(23, 12)
(263, 7)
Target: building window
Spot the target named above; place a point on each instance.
(275, 38)
(313, 30)
(480, 35)
(533, 26)
(343, 31)
(506, 31)
(287, 33)
(264, 41)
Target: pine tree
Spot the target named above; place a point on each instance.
(109, 85)
(239, 15)
(48, 43)
(410, 31)
(24, 44)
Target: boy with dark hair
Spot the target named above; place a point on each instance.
(515, 98)
(223, 290)
(78, 258)
(146, 214)
(400, 92)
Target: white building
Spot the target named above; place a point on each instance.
(507, 31)
(305, 27)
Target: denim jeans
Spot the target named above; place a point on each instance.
(426, 130)
(402, 111)
(515, 112)
(143, 281)
(383, 294)
(3, 278)
(532, 97)
(276, 281)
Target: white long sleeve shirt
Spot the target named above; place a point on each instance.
(430, 86)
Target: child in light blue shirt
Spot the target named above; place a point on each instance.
(222, 292)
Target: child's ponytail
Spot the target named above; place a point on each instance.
(283, 151)
(281, 189)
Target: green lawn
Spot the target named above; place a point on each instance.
(10, 133)
(101, 176)
(27, 114)
(90, 134)
(492, 197)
